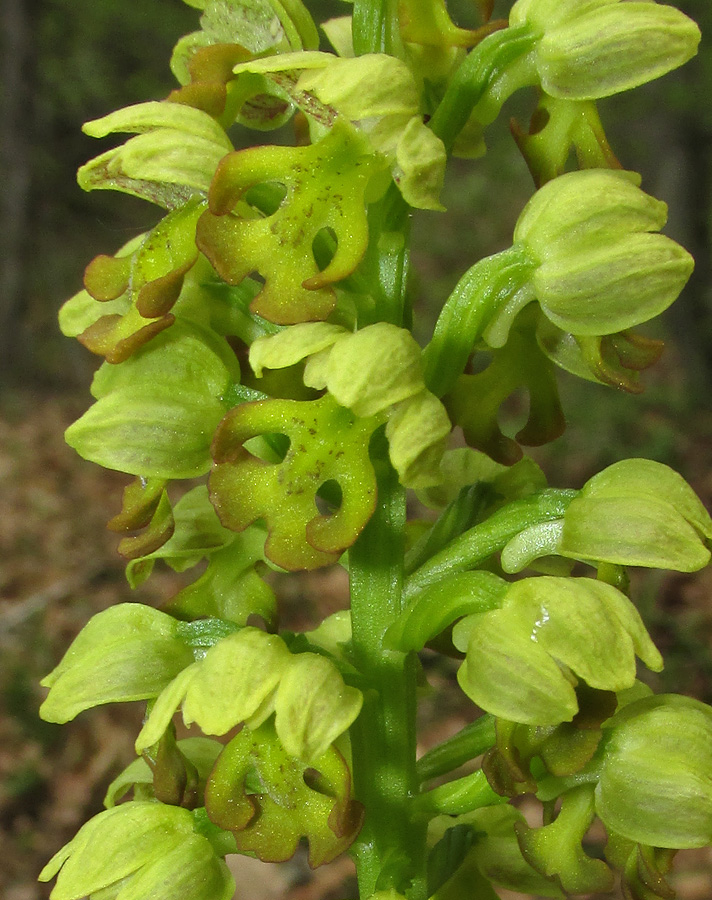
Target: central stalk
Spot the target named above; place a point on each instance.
(390, 852)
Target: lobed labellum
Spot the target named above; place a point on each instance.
(475, 400)
(150, 279)
(294, 801)
(555, 850)
(326, 443)
(325, 185)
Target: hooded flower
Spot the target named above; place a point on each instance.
(595, 48)
(245, 678)
(140, 851)
(586, 248)
(655, 782)
(524, 659)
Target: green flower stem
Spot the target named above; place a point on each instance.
(459, 515)
(476, 73)
(223, 841)
(467, 744)
(383, 274)
(376, 28)
(480, 295)
(474, 546)
(459, 796)
(383, 737)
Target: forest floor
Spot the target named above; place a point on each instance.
(58, 566)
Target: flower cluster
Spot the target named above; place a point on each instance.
(260, 339)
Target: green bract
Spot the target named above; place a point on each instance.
(140, 851)
(594, 48)
(524, 659)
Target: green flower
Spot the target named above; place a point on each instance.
(245, 678)
(575, 50)
(156, 412)
(586, 248)
(637, 512)
(376, 371)
(140, 851)
(655, 781)
(595, 48)
(602, 267)
(524, 659)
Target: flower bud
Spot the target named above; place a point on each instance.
(142, 850)
(601, 269)
(655, 784)
(595, 48)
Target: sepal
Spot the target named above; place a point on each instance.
(313, 707)
(379, 95)
(234, 681)
(127, 652)
(247, 676)
(173, 157)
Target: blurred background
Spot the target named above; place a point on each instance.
(65, 61)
